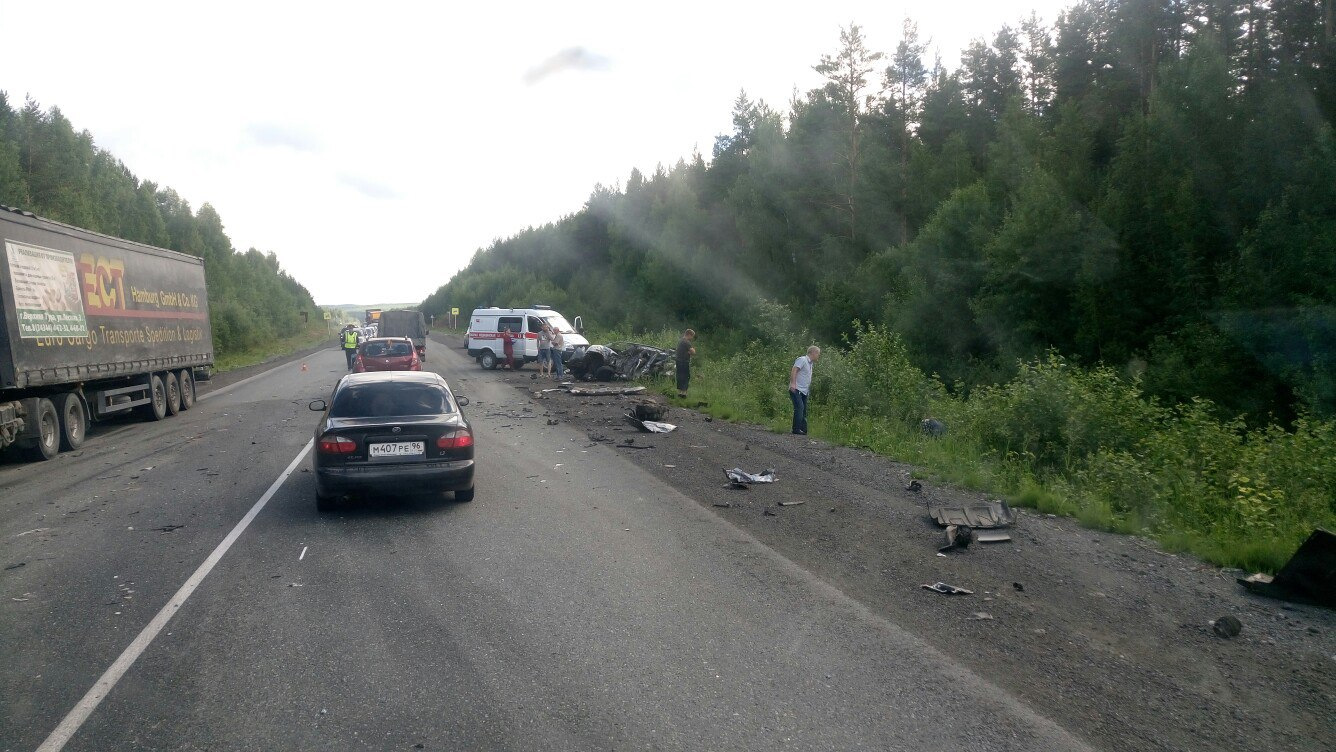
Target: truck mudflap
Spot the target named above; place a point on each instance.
(10, 423)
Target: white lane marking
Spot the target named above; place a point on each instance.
(103, 686)
(303, 554)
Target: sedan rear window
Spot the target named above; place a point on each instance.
(390, 400)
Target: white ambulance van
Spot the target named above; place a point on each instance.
(486, 325)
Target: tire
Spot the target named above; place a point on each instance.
(465, 495)
(73, 421)
(187, 381)
(47, 443)
(157, 408)
(173, 393)
(604, 373)
(487, 360)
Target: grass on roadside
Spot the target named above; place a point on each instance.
(1064, 440)
(314, 334)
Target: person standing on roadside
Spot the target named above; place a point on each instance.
(544, 350)
(685, 351)
(800, 386)
(508, 346)
(558, 345)
(349, 344)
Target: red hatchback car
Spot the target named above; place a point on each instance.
(387, 354)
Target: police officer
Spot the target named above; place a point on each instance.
(350, 340)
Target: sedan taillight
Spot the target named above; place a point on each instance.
(337, 445)
(456, 440)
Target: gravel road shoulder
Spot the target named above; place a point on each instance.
(1110, 636)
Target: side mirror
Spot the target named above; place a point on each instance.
(462, 400)
(318, 406)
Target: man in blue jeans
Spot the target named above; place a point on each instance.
(800, 385)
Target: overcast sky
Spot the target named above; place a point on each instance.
(375, 147)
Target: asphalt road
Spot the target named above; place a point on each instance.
(578, 603)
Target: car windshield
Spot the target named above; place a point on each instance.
(390, 399)
(559, 322)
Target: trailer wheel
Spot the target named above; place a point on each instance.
(47, 443)
(173, 393)
(487, 360)
(73, 421)
(187, 389)
(157, 408)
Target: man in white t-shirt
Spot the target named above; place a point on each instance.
(800, 386)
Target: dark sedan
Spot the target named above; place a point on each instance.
(390, 433)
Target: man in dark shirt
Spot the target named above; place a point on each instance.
(684, 353)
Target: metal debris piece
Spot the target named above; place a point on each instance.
(981, 616)
(1227, 626)
(738, 475)
(769, 512)
(792, 503)
(985, 514)
(1308, 577)
(945, 589)
(723, 503)
(992, 536)
(602, 391)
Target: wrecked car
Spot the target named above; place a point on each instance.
(620, 360)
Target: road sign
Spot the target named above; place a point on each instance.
(327, 316)
(454, 311)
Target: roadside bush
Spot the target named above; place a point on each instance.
(874, 376)
(1056, 415)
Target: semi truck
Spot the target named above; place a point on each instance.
(91, 327)
(405, 323)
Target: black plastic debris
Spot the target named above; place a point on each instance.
(914, 486)
(769, 512)
(649, 426)
(1308, 577)
(945, 589)
(1227, 626)
(957, 536)
(932, 427)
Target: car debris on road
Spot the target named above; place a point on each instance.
(945, 589)
(738, 475)
(972, 521)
